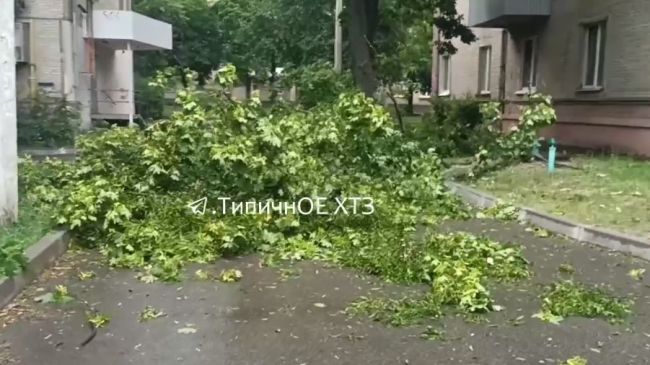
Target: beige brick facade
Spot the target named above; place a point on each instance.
(55, 64)
(63, 57)
(616, 117)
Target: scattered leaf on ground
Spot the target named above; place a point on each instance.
(576, 360)
(432, 334)
(567, 298)
(186, 330)
(548, 317)
(98, 320)
(230, 276)
(86, 275)
(150, 313)
(541, 232)
(637, 274)
(289, 273)
(61, 295)
(147, 278)
(202, 274)
(566, 268)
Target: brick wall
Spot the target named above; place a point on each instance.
(465, 63)
(47, 53)
(560, 51)
(46, 9)
(616, 118)
(626, 52)
(45, 18)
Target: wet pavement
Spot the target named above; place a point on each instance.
(296, 315)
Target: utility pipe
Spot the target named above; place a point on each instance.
(338, 37)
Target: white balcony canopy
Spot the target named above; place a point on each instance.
(120, 29)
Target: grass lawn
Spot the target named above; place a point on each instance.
(610, 192)
(32, 225)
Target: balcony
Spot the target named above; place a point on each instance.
(508, 13)
(121, 30)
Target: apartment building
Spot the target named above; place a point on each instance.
(82, 50)
(592, 56)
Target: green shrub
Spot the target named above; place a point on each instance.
(149, 99)
(47, 122)
(319, 83)
(517, 144)
(457, 127)
(33, 218)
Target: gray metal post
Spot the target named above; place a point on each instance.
(338, 37)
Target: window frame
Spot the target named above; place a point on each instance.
(529, 82)
(445, 62)
(484, 88)
(599, 61)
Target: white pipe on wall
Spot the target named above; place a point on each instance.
(131, 87)
(338, 37)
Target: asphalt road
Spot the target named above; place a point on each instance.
(274, 316)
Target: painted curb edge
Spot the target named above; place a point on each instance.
(40, 256)
(615, 241)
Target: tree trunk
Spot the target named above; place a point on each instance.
(274, 92)
(363, 17)
(398, 113)
(409, 96)
(248, 81)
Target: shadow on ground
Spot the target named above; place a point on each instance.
(296, 316)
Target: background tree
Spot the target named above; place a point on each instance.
(404, 66)
(263, 35)
(257, 36)
(376, 29)
(388, 41)
(198, 38)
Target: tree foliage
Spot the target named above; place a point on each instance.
(198, 38)
(257, 36)
(388, 41)
(128, 194)
(282, 33)
(392, 40)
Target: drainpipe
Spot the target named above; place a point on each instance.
(435, 66)
(338, 37)
(32, 80)
(502, 69)
(32, 66)
(62, 65)
(131, 86)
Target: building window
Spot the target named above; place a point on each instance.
(594, 55)
(445, 75)
(529, 67)
(484, 67)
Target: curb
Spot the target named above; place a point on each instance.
(40, 256)
(615, 241)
